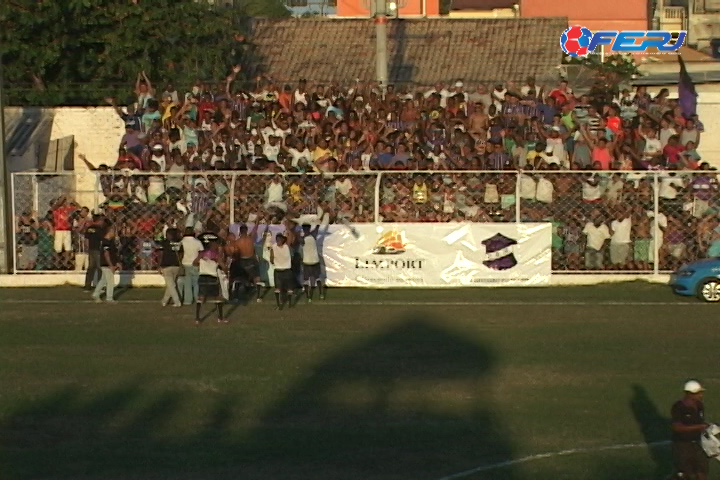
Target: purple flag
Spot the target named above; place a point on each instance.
(687, 96)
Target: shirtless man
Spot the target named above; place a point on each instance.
(245, 264)
(478, 122)
(642, 235)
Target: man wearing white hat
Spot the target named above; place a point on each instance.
(688, 424)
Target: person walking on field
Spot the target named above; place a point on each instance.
(688, 424)
(209, 263)
(170, 260)
(191, 247)
(109, 264)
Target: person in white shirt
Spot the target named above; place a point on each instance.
(596, 233)
(544, 191)
(620, 241)
(311, 262)
(527, 186)
(549, 156)
(529, 87)
(659, 225)
(591, 189)
(274, 194)
(301, 95)
(218, 156)
(211, 265)
(666, 131)
(653, 146)
(271, 149)
(191, 248)
(440, 90)
(158, 156)
(297, 154)
(669, 186)
(343, 186)
(498, 96)
(281, 260)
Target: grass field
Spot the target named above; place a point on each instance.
(368, 385)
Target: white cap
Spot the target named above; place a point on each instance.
(693, 386)
(459, 84)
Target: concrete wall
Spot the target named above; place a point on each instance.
(97, 132)
(605, 15)
(703, 27)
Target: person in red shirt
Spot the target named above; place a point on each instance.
(673, 150)
(562, 94)
(613, 122)
(62, 211)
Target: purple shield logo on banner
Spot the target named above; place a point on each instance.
(499, 254)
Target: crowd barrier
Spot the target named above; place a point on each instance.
(655, 221)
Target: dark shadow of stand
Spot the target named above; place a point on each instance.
(383, 409)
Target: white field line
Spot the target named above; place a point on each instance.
(390, 303)
(541, 456)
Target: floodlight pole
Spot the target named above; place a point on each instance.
(381, 53)
(6, 240)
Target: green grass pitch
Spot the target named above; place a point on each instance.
(397, 384)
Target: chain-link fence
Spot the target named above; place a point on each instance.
(602, 221)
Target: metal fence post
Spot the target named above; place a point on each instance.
(517, 196)
(96, 193)
(35, 195)
(13, 229)
(656, 224)
(376, 207)
(231, 198)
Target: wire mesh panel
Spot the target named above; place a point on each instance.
(602, 221)
(53, 212)
(688, 208)
(448, 197)
(49, 209)
(341, 197)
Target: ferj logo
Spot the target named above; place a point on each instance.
(390, 243)
(579, 41)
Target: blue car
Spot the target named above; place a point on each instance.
(700, 278)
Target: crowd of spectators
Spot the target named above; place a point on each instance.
(587, 162)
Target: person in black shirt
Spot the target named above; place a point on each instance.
(688, 424)
(94, 234)
(170, 261)
(27, 241)
(109, 264)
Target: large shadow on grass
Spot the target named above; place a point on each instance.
(413, 399)
(412, 402)
(655, 430)
(655, 427)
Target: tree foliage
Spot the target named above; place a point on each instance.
(76, 52)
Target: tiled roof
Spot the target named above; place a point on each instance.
(422, 51)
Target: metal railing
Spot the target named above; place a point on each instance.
(629, 222)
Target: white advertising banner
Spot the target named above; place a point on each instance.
(437, 254)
